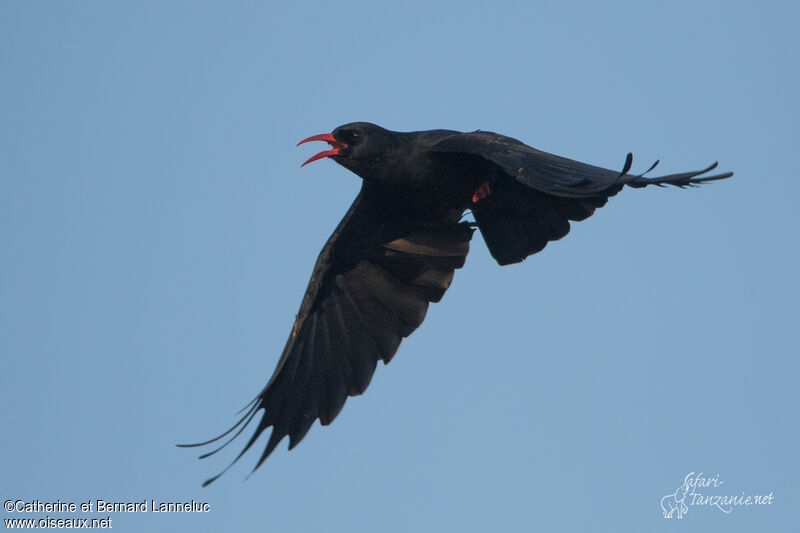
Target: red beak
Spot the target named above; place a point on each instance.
(328, 138)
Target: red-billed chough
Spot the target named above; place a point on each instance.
(398, 245)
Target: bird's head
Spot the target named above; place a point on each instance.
(359, 147)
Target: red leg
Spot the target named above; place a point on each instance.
(481, 192)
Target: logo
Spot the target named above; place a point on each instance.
(698, 490)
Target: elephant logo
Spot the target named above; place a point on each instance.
(677, 500)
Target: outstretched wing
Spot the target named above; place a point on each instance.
(534, 195)
(558, 175)
(370, 287)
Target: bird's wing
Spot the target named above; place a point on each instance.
(370, 287)
(556, 175)
(532, 196)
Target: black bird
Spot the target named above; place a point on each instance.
(398, 245)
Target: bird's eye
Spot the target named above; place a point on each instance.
(351, 136)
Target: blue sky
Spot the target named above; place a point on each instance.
(157, 234)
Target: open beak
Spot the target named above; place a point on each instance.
(328, 138)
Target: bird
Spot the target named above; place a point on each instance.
(398, 246)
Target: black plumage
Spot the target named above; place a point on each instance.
(399, 244)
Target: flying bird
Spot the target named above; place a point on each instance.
(397, 247)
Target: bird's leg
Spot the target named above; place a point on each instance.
(481, 192)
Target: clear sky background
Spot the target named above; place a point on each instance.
(157, 234)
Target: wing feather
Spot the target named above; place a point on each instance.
(560, 176)
(370, 288)
(535, 195)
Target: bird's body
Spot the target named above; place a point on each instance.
(416, 176)
(396, 250)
